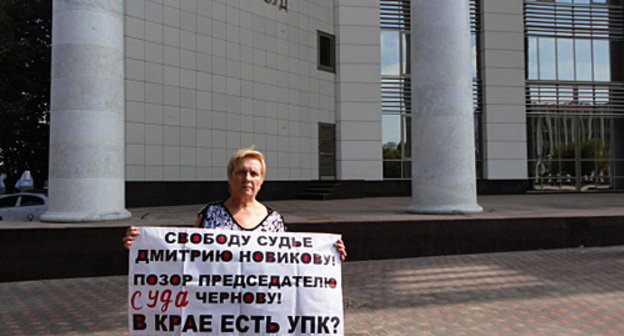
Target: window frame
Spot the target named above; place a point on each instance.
(332, 51)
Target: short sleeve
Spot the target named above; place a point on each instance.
(275, 222)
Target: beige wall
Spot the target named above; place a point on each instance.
(502, 71)
(358, 95)
(204, 78)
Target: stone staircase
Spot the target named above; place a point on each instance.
(319, 190)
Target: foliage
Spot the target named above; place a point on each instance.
(25, 48)
(391, 169)
(593, 153)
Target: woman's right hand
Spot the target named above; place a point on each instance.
(128, 239)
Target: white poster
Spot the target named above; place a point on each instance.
(216, 282)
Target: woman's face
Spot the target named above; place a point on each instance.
(246, 178)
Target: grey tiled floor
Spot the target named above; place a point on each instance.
(553, 292)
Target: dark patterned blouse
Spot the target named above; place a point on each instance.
(216, 216)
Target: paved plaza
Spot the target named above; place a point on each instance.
(551, 292)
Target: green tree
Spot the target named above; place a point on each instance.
(391, 152)
(25, 48)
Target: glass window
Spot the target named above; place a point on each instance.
(396, 89)
(9, 201)
(407, 169)
(473, 43)
(406, 60)
(576, 59)
(395, 56)
(568, 59)
(391, 129)
(572, 125)
(326, 52)
(565, 59)
(390, 52)
(28, 200)
(407, 137)
(586, 95)
(602, 69)
(601, 95)
(582, 51)
(533, 58)
(565, 95)
(547, 61)
(391, 169)
(583, 59)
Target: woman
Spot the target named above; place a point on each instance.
(241, 211)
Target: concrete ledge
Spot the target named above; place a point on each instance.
(158, 193)
(29, 254)
(385, 240)
(48, 252)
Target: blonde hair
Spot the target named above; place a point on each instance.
(246, 153)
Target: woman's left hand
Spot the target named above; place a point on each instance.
(341, 248)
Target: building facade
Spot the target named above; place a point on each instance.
(324, 89)
(204, 78)
(547, 80)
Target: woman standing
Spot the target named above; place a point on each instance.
(241, 211)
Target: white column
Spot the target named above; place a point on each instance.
(87, 112)
(443, 158)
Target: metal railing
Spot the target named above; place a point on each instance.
(395, 14)
(606, 98)
(556, 19)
